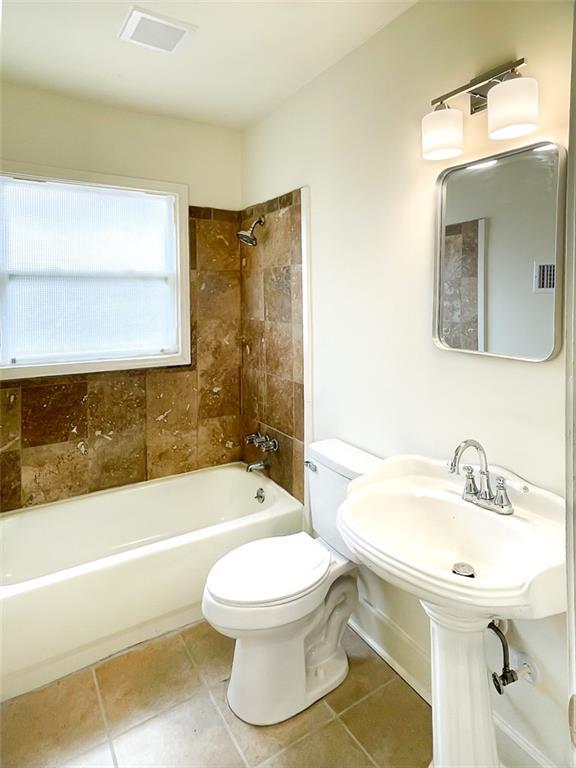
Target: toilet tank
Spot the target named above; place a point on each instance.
(336, 463)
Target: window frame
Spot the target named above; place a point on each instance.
(87, 178)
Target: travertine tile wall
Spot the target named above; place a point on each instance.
(459, 310)
(272, 360)
(68, 435)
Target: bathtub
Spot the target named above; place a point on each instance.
(89, 576)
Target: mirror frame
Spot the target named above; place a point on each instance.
(559, 251)
(571, 413)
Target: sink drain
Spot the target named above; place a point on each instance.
(463, 569)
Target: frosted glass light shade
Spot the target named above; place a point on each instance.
(513, 108)
(442, 134)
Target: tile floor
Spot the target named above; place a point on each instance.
(162, 704)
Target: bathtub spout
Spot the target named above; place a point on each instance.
(257, 465)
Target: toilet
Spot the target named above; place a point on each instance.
(286, 600)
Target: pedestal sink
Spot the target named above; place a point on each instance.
(406, 521)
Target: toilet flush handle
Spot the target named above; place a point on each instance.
(311, 466)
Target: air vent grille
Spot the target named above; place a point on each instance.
(153, 31)
(544, 277)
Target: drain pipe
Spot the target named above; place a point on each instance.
(508, 675)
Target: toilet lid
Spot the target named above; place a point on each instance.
(269, 570)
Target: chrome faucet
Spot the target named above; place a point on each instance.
(259, 466)
(266, 445)
(482, 495)
(264, 442)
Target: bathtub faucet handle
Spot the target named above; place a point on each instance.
(254, 438)
(268, 444)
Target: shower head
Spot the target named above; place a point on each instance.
(247, 236)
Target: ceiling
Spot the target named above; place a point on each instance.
(244, 59)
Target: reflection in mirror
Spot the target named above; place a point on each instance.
(498, 269)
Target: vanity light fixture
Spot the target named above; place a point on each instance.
(511, 101)
(513, 107)
(442, 133)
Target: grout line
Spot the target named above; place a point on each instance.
(104, 717)
(215, 704)
(163, 711)
(360, 745)
(155, 714)
(296, 741)
(363, 698)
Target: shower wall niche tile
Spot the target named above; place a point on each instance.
(68, 435)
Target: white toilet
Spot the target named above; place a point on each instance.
(286, 600)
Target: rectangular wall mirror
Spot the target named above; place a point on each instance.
(498, 276)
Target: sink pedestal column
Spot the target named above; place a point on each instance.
(462, 722)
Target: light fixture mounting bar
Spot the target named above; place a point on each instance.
(479, 86)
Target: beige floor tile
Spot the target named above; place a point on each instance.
(145, 681)
(50, 726)
(99, 757)
(190, 735)
(329, 747)
(367, 672)
(211, 651)
(261, 742)
(394, 725)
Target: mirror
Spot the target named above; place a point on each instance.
(499, 254)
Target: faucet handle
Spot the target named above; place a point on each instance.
(501, 498)
(252, 438)
(268, 444)
(470, 487)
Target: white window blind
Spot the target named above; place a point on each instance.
(87, 273)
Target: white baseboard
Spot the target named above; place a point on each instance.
(47, 671)
(421, 689)
(408, 660)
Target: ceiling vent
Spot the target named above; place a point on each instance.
(153, 31)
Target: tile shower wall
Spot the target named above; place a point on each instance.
(68, 435)
(272, 360)
(459, 328)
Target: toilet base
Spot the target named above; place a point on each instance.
(334, 674)
(280, 672)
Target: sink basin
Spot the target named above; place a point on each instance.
(408, 523)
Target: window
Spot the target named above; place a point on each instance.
(92, 276)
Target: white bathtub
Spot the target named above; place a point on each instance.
(84, 578)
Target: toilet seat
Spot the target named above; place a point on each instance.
(269, 571)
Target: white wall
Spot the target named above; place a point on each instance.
(44, 128)
(353, 136)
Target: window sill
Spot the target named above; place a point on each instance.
(12, 372)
